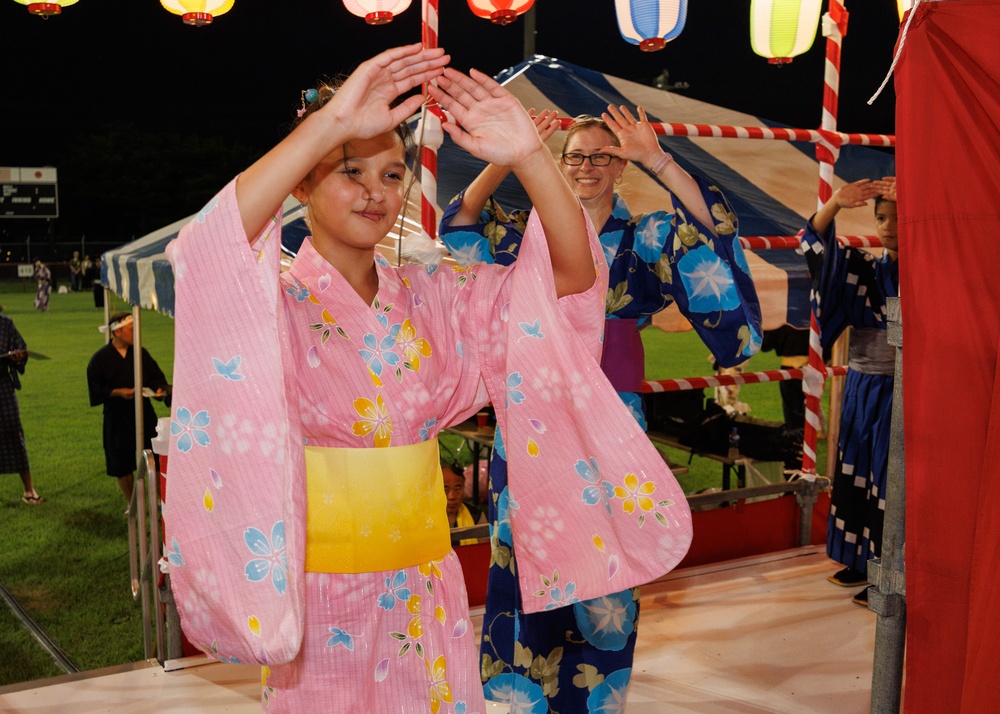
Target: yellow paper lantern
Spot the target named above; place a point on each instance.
(46, 9)
(376, 12)
(782, 29)
(198, 13)
(904, 7)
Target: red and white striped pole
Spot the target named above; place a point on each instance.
(429, 133)
(827, 150)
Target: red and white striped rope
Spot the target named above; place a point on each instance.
(760, 132)
(792, 242)
(650, 386)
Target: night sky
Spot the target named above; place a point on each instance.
(145, 117)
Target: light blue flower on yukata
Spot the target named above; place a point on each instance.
(708, 282)
(394, 591)
(606, 622)
(523, 695)
(608, 697)
(191, 429)
(273, 559)
(601, 491)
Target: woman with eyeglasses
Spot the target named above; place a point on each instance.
(579, 658)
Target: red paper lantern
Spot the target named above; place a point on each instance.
(500, 12)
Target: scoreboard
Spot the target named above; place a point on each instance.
(28, 193)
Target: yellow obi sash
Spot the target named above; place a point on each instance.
(374, 509)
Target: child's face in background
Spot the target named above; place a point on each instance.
(885, 225)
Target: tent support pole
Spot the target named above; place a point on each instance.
(887, 573)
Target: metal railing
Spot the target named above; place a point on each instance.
(144, 545)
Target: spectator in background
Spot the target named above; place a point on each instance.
(86, 272)
(459, 514)
(111, 382)
(95, 272)
(13, 454)
(75, 271)
(44, 277)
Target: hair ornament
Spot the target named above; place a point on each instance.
(308, 97)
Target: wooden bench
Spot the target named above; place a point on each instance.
(734, 459)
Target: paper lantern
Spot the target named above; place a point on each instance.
(500, 12)
(904, 7)
(198, 13)
(651, 24)
(376, 12)
(782, 29)
(46, 9)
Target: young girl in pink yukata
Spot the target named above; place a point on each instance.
(306, 526)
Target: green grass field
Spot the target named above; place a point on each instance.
(66, 561)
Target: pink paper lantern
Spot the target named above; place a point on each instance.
(376, 12)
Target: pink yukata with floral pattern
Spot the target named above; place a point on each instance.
(266, 364)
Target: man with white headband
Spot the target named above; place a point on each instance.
(111, 382)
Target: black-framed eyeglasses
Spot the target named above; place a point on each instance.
(595, 159)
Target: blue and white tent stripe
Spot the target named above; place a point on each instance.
(771, 185)
(140, 274)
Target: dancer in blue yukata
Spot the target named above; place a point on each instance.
(579, 658)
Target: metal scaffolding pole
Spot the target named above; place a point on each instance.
(887, 574)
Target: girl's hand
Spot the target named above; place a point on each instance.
(637, 138)
(361, 106)
(492, 124)
(547, 122)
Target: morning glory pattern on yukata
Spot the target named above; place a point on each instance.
(578, 658)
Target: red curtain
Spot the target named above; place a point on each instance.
(948, 167)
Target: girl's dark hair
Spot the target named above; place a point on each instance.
(324, 93)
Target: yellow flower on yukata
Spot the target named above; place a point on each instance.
(440, 689)
(635, 495)
(413, 347)
(374, 417)
(430, 568)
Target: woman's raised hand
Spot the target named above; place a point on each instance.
(362, 104)
(637, 138)
(491, 124)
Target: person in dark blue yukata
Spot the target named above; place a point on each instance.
(850, 288)
(579, 658)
